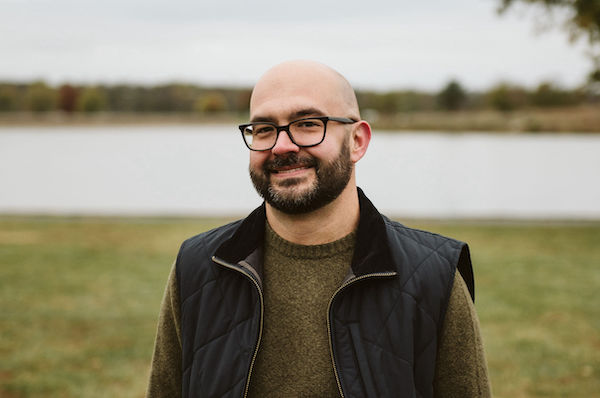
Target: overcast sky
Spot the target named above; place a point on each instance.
(380, 44)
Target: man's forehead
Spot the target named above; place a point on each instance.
(289, 100)
(294, 102)
(301, 87)
(294, 86)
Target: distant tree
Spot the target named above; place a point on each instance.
(171, 98)
(583, 18)
(396, 101)
(9, 98)
(40, 97)
(182, 97)
(549, 95)
(387, 103)
(120, 98)
(92, 99)
(452, 97)
(507, 97)
(366, 99)
(67, 98)
(477, 101)
(211, 102)
(242, 100)
(411, 101)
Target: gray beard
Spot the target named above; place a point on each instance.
(331, 179)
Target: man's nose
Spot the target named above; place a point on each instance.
(284, 144)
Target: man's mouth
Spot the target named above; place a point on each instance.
(288, 169)
(289, 165)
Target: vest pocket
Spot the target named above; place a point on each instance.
(363, 363)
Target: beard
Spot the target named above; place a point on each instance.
(331, 179)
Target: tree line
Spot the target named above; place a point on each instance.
(39, 97)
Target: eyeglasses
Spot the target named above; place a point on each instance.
(306, 132)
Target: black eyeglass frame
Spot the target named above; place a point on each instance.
(286, 128)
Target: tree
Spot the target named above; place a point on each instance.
(92, 99)
(507, 97)
(9, 98)
(549, 95)
(242, 99)
(67, 98)
(452, 97)
(211, 102)
(583, 18)
(40, 97)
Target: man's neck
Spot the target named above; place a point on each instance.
(324, 225)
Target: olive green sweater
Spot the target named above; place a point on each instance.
(294, 358)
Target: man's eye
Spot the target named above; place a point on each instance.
(308, 124)
(258, 130)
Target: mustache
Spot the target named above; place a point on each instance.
(289, 160)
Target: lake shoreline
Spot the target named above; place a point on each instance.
(582, 119)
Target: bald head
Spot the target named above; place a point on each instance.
(294, 86)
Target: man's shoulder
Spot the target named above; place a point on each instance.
(426, 247)
(418, 236)
(399, 235)
(211, 237)
(194, 260)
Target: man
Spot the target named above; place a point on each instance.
(316, 294)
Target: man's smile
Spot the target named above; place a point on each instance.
(290, 169)
(289, 166)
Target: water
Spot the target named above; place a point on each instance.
(202, 170)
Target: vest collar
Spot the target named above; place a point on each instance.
(371, 253)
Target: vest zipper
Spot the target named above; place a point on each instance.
(344, 285)
(260, 295)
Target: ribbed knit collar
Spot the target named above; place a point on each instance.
(290, 249)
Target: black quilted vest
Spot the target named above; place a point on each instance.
(384, 321)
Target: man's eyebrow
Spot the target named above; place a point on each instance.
(298, 114)
(305, 112)
(261, 119)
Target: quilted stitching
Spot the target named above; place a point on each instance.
(431, 252)
(225, 333)
(417, 266)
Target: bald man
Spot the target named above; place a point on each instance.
(315, 293)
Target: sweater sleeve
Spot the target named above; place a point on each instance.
(461, 369)
(165, 371)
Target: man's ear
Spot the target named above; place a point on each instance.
(359, 140)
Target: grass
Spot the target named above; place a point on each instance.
(80, 297)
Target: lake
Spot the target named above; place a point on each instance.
(202, 170)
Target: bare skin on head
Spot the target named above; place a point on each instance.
(294, 90)
(312, 79)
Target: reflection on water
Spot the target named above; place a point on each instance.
(203, 170)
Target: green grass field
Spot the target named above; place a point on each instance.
(79, 299)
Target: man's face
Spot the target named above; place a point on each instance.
(292, 179)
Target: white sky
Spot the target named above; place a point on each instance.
(380, 44)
